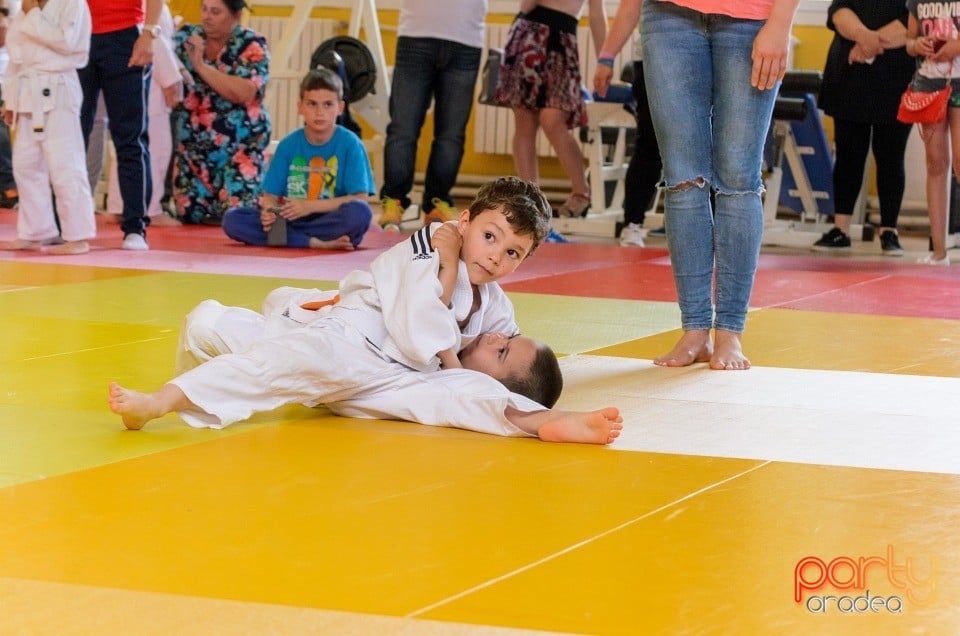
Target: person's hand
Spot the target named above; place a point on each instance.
(27, 5)
(447, 241)
(870, 43)
(173, 94)
(194, 46)
(8, 117)
(142, 51)
(859, 56)
(292, 209)
(267, 217)
(944, 51)
(449, 359)
(769, 56)
(601, 79)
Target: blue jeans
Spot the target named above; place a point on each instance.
(447, 72)
(711, 126)
(125, 90)
(351, 219)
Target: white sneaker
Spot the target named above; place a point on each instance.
(135, 242)
(930, 260)
(632, 235)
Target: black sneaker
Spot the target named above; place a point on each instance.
(833, 241)
(9, 199)
(890, 243)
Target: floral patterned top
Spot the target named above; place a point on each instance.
(220, 144)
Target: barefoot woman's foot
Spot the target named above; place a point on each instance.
(596, 427)
(133, 407)
(693, 346)
(727, 352)
(341, 243)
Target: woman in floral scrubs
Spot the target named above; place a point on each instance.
(221, 127)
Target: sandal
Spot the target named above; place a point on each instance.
(576, 205)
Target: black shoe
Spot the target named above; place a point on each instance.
(658, 231)
(890, 243)
(833, 241)
(9, 199)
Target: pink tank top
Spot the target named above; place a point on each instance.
(746, 9)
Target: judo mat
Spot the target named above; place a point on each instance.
(818, 492)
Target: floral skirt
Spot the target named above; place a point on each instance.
(540, 67)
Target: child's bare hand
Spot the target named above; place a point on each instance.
(447, 241)
(449, 359)
(944, 51)
(295, 209)
(267, 217)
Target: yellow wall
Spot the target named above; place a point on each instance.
(809, 54)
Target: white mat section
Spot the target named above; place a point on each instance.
(839, 418)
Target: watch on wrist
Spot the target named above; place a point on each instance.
(152, 29)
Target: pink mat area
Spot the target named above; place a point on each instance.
(806, 282)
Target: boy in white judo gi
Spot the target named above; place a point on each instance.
(363, 355)
(48, 40)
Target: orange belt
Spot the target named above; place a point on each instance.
(314, 305)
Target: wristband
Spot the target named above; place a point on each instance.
(605, 62)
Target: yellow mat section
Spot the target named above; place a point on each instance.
(403, 520)
(724, 561)
(333, 514)
(575, 325)
(823, 340)
(80, 610)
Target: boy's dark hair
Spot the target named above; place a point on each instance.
(524, 205)
(321, 78)
(543, 381)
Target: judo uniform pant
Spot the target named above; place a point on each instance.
(54, 156)
(326, 362)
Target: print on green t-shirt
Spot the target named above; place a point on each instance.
(298, 178)
(312, 180)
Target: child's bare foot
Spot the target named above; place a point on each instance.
(693, 346)
(727, 352)
(19, 244)
(69, 247)
(133, 407)
(596, 427)
(341, 243)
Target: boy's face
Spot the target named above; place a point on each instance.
(320, 109)
(499, 355)
(491, 249)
